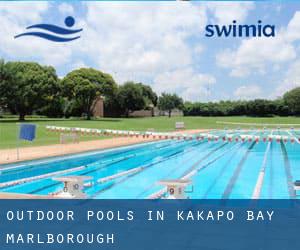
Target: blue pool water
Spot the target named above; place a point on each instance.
(221, 169)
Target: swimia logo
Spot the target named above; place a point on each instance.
(52, 32)
(238, 30)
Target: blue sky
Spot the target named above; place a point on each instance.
(163, 44)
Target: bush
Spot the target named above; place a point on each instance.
(258, 107)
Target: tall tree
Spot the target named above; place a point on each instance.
(131, 98)
(85, 84)
(149, 94)
(168, 102)
(292, 100)
(3, 83)
(26, 86)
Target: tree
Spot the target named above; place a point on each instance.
(292, 100)
(281, 107)
(131, 98)
(3, 83)
(149, 95)
(84, 85)
(26, 86)
(260, 107)
(167, 102)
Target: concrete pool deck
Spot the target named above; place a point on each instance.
(31, 153)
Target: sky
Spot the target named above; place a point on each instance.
(163, 44)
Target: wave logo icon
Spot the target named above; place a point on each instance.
(59, 34)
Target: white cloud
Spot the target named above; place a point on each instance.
(65, 8)
(226, 12)
(255, 54)
(23, 11)
(188, 84)
(151, 43)
(14, 18)
(198, 49)
(292, 76)
(293, 28)
(247, 92)
(141, 38)
(75, 65)
(291, 80)
(79, 64)
(131, 41)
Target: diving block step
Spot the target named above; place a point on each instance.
(73, 186)
(176, 187)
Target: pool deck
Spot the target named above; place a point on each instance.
(31, 153)
(24, 196)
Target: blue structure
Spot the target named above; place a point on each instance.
(27, 132)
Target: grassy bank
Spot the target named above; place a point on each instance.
(9, 127)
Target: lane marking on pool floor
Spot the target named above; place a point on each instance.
(138, 154)
(236, 173)
(172, 171)
(105, 164)
(192, 171)
(222, 172)
(198, 169)
(59, 184)
(111, 152)
(53, 159)
(288, 173)
(204, 166)
(143, 168)
(261, 176)
(132, 170)
(271, 167)
(161, 192)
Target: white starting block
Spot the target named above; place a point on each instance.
(296, 186)
(176, 188)
(73, 137)
(179, 125)
(73, 186)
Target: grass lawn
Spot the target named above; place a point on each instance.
(9, 127)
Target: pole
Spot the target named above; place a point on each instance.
(17, 140)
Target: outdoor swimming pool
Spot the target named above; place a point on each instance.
(218, 169)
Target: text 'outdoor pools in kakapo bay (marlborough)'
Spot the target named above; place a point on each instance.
(134, 224)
